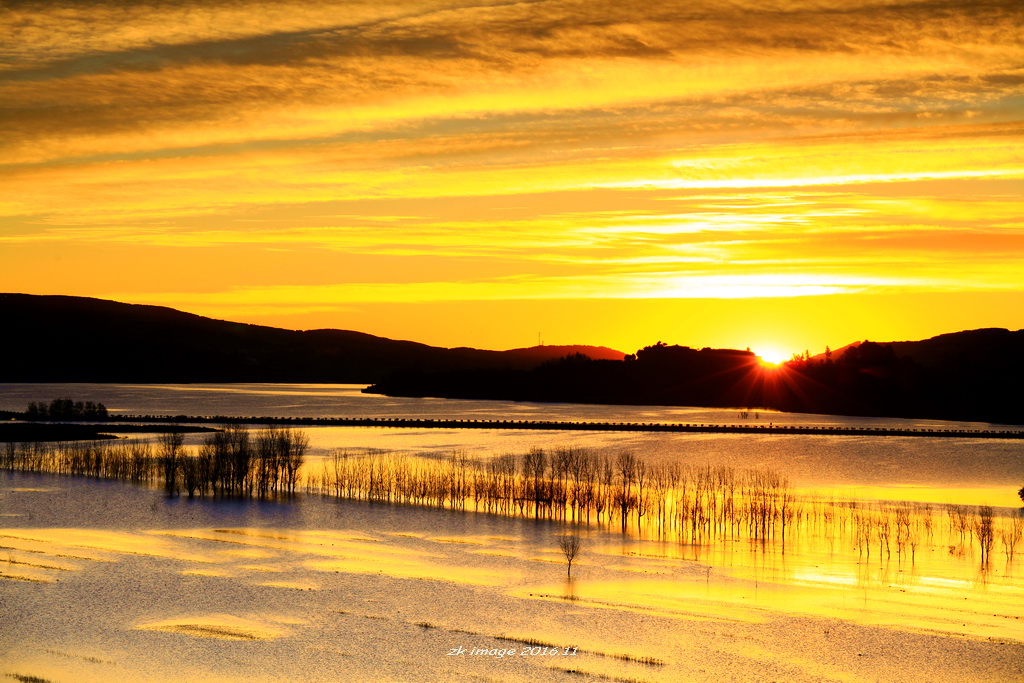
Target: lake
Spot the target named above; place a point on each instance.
(103, 580)
(939, 470)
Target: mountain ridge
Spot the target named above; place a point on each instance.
(933, 350)
(970, 375)
(63, 338)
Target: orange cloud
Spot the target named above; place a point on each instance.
(486, 150)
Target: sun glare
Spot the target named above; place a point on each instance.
(772, 357)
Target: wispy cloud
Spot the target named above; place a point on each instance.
(570, 148)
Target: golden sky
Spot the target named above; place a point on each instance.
(774, 174)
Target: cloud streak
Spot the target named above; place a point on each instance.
(573, 149)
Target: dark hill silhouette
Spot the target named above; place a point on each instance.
(78, 339)
(969, 346)
(973, 375)
(656, 375)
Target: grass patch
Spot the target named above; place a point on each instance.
(649, 661)
(600, 677)
(84, 658)
(26, 579)
(212, 632)
(38, 566)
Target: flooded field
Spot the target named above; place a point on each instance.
(426, 555)
(104, 580)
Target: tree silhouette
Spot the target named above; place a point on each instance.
(570, 545)
(171, 456)
(66, 409)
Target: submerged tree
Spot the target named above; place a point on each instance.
(170, 445)
(985, 531)
(570, 545)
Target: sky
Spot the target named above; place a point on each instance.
(775, 174)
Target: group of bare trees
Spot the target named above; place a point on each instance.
(695, 505)
(125, 460)
(902, 527)
(572, 484)
(231, 462)
(65, 409)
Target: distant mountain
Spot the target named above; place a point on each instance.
(969, 375)
(656, 375)
(973, 375)
(835, 353)
(985, 346)
(967, 347)
(77, 339)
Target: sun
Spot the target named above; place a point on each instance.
(772, 357)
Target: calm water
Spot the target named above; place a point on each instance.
(113, 582)
(913, 468)
(346, 400)
(100, 581)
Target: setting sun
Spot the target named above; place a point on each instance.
(772, 357)
(401, 305)
(587, 170)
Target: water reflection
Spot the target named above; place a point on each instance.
(457, 574)
(347, 400)
(978, 472)
(569, 589)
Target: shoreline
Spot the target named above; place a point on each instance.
(431, 423)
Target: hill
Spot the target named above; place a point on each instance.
(954, 348)
(968, 375)
(973, 375)
(78, 339)
(656, 375)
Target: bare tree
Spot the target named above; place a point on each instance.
(570, 545)
(294, 448)
(170, 453)
(986, 532)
